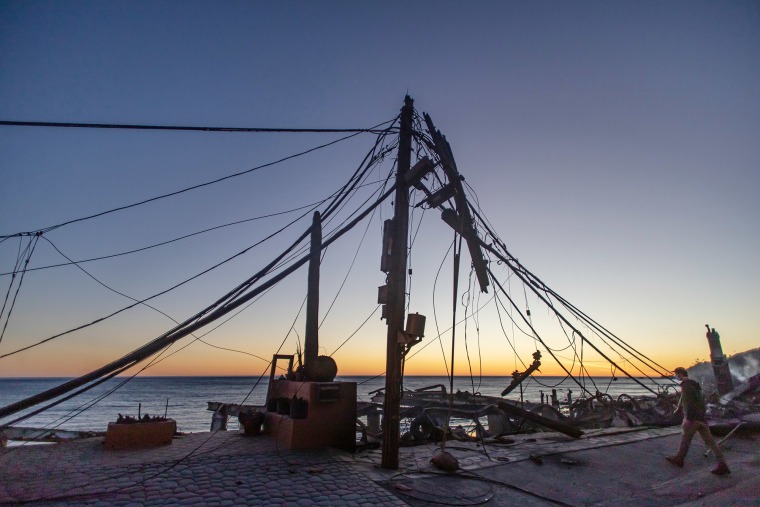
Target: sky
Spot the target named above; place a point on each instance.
(612, 146)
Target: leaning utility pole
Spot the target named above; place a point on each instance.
(397, 292)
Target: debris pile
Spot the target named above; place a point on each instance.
(739, 408)
(128, 419)
(427, 409)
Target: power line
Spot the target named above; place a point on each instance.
(30, 249)
(123, 126)
(162, 243)
(356, 331)
(241, 288)
(142, 301)
(351, 266)
(536, 285)
(193, 187)
(234, 300)
(219, 308)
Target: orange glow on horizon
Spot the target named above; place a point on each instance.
(204, 366)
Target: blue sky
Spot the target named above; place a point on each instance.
(612, 145)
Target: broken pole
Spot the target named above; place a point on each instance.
(544, 421)
(397, 293)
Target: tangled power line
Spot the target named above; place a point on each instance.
(276, 270)
(584, 331)
(292, 257)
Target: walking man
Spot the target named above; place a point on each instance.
(693, 406)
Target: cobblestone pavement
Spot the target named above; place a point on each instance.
(228, 468)
(223, 468)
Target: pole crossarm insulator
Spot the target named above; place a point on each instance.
(446, 157)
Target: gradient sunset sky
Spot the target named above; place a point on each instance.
(612, 145)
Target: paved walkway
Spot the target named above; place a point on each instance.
(223, 468)
(606, 467)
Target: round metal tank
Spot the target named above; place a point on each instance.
(415, 324)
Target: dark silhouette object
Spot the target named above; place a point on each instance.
(299, 408)
(251, 422)
(693, 406)
(324, 370)
(283, 406)
(445, 461)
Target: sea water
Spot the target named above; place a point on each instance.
(184, 399)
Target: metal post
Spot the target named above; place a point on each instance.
(397, 294)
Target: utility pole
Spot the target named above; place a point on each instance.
(397, 293)
(311, 339)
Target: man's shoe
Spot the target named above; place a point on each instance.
(721, 469)
(675, 460)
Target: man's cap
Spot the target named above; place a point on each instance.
(681, 371)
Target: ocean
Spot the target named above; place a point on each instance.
(185, 398)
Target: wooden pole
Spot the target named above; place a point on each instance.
(311, 340)
(397, 293)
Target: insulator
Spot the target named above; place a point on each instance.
(419, 171)
(441, 196)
